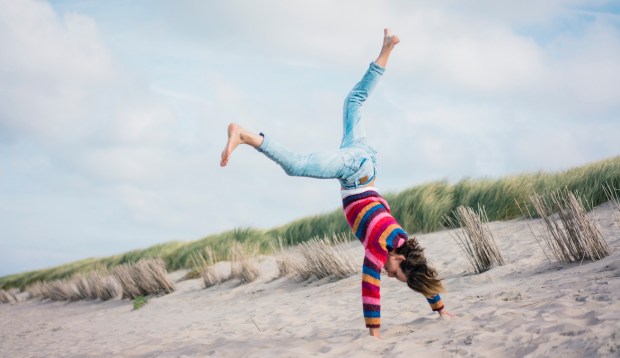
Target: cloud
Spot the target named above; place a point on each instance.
(76, 126)
(476, 48)
(49, 66)
(585, 69)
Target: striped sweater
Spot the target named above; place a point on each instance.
(370, 219)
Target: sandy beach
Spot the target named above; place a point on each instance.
(527, 308)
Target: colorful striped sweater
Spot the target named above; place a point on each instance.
(370, 219)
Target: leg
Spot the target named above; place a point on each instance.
(354, 166)
(352, 126)
(335, 164)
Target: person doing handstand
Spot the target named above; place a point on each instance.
(386, 244)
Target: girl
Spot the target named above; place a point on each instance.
(386, 244)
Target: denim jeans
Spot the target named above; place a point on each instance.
(355, 159)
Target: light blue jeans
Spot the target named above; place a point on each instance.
(355, 159)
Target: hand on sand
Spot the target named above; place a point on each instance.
(374, 332)
(445, 314)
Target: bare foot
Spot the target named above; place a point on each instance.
(234, 139)
(389, 41)
(389, 38)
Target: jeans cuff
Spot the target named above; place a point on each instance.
(377, 68)
(263, 144)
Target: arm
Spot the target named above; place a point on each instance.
(371, 296)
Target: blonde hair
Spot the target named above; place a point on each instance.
(421, 277)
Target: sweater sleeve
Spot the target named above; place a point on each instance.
(371, 290)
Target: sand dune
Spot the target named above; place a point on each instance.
(529, 307)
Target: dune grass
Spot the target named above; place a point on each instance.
(571, 237)
(475, 238)
(324, 257)
(317, 258)
(613, 195)
(286, 259)
(143, 278)
(210, 276)
(7, 297)
(419, 209)
(243, 266)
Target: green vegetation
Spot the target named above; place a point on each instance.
(139, 302)
(419, 209)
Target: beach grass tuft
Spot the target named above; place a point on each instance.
(611, 192)
(104, 286)
(145, 277)
(566, 232)
(210, 276)
(285, 258)
(7, 297)
(473, 235)
(324, 257)
(243, 266)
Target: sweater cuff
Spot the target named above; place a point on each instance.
(435, 302)
(372, 322)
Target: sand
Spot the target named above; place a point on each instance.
(527, 308)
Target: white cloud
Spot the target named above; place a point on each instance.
(91, 129)
(458, 52)
(49, 66)
(586, 68)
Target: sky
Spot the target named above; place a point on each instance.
(113, 114)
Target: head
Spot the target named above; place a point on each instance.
(408, 264)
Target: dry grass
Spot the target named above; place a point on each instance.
(145, 277)
(198, 264)
(84, 287)
(210, 276)
(60, 290)
(7, 297)
(43, 290)
(35, 290)
(612, 195)
(104, 286)
(572, 235)
(64, 290)
(474, 237)
(95, 285)
(191, 275)
(285, 259)
(123, 273)
(324, 257)
(242, 265)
